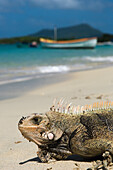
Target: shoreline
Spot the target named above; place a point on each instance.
(16, 89)
(80, 88)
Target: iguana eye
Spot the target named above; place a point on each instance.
(36, 120)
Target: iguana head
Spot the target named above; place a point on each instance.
(39, 129)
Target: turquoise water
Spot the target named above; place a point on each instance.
(20, 64)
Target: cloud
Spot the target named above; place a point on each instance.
(9, 5)
(71, 4)
(10, 2)
(56, 4)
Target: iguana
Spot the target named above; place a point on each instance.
(86, 131)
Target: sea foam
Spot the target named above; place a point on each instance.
(53, 69)
(100, 59)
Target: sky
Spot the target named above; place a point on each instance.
(24, 17)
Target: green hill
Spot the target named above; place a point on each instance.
(72, 32)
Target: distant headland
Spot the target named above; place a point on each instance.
(66, 33)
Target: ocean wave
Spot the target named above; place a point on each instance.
(24, 74)
(53, 69)
(13, 75)
(89, 59)
(39, 69)
(100, 59)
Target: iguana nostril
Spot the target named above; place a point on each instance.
(21, 120)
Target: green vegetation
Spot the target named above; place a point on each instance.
(105, 38)
(26, 39)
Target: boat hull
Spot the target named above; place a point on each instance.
(75, 44)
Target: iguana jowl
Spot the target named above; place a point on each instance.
(64, 131)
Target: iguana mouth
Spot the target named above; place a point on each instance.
(39, 140)
(27, 127)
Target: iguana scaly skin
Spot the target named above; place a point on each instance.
(64, 131)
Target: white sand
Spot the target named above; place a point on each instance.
(75, 89)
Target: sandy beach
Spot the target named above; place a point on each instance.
(80, 88)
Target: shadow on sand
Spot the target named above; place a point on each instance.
(72, 158)
(36, 159)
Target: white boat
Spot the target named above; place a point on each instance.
(87, 43)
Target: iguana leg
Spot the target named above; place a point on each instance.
(45, 156)
(52, 155)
